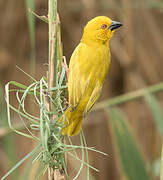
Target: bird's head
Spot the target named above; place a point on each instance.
(100, 28)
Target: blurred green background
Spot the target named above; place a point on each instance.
(132, 138)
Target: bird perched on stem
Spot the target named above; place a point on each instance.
(89, 65)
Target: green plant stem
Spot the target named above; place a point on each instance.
(129, 96)
(52, 16)
(54, 66)
(31, 23)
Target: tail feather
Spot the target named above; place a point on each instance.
(72, 122)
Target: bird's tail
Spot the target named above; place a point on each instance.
(72, 122)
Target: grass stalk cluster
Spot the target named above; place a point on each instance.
(47, 95)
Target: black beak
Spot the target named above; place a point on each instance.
(115, 25)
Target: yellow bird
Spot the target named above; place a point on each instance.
(89, 65)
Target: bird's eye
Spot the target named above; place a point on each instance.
(103, 26)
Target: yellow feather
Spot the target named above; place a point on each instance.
(89, 65)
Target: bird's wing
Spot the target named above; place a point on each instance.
(84, 84)
(80, 86)
(94, 96)
(75, 81)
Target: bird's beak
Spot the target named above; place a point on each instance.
(115, 25)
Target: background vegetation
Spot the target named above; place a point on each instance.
(131, 133)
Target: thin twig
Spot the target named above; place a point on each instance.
(43, 18)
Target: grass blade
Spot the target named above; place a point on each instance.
(31, 23)
(156, 111)
(21, 161)
(130, 158)
(26, 171)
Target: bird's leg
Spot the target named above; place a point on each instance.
(66, 104)
(64, 64)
